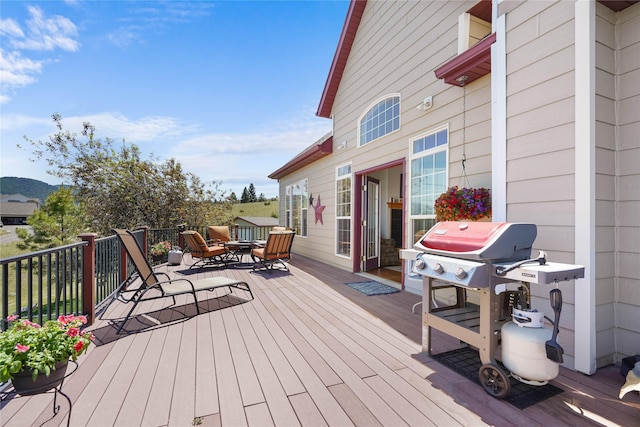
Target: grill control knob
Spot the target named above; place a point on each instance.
(460, 273)
(438, 268)
(420, 264)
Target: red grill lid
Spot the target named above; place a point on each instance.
(479, 240)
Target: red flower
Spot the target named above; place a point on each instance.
(78, 346)
(73, 332)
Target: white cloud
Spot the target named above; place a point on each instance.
(116, 126)
(15, 70)
(240, 159)
(47, 33)
(42, 33)
(10, 28)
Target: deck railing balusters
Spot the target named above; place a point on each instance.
(76, 278)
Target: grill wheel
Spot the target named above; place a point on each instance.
(495, 381)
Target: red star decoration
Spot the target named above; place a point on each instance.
(318, 211)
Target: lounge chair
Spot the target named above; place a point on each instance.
(221, 235)
(277, 250)
(208, 255)
(152, 287)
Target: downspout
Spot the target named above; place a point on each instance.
(585, 161)
(498, 117)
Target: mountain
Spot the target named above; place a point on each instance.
(27, 187)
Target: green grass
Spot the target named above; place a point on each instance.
(10, 249)
(264, 209)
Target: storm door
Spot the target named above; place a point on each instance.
(371, 224)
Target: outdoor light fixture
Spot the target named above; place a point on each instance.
(342, 145)
(425, 104)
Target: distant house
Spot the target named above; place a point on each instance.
(254, 227)
(16, 208)
(537, 100)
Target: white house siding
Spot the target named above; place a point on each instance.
(397, 47)
(605, 185)
(540, 138)
(627, 83)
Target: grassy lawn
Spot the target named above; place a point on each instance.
(10, 249)
(265, 209)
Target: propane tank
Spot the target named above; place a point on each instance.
(523, 348)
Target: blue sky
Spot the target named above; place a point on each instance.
(227, 88)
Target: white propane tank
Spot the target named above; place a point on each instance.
(524, 353)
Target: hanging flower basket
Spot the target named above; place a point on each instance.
(463, 204)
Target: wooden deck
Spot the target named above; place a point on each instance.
(306, 351)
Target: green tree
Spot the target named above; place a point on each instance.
(58, 222)
(252, 193)
(116, 187)
(245, 198)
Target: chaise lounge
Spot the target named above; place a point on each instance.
(152, 287)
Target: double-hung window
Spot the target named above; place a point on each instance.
(343, 210)
(429, 175)
(297, 206)
(379, 120)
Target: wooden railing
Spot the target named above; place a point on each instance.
(77, 278)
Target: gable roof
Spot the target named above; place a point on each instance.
(259, 221)
(348, 35)
(352, 21)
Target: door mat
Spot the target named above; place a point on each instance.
(466, 362)
(372, 288)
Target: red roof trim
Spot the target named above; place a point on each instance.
(351, 23)
(473, 63)
(308, 156)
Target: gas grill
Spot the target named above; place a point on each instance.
(473, 259)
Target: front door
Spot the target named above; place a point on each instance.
(371, 224)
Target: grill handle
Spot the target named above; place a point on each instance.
(542, 260)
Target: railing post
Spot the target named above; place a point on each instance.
(145, 239)
(88, 276)
(237, 226)
(181, 229)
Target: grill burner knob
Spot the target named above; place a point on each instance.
(460, 273)
(420, 264)
(438, 268)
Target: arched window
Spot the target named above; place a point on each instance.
(380, 120)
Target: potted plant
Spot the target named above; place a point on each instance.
(35, 357)
(458, 204)
(160, 250)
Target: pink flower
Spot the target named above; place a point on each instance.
(22, 348)
(62, 319)
(82, 319)
(73, 332)
(28, 323)
(78, 346)
(12, 318)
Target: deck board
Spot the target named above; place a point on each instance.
(308, 350)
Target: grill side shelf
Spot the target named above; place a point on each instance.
(544, 274)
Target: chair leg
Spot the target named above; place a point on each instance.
(135, 304)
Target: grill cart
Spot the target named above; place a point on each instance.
(489, 268)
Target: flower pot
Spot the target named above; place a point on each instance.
(25, 386)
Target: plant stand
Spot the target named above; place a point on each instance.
(12, 393)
